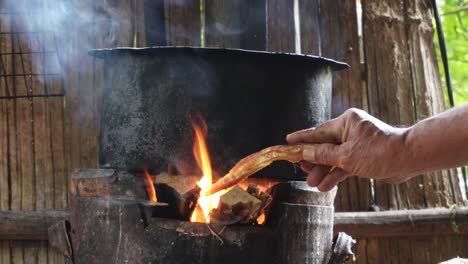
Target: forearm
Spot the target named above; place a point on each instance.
(439, 142)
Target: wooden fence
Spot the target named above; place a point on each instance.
(49, 111)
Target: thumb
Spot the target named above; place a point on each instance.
(323, 154)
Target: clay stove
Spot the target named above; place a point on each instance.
(250, 100)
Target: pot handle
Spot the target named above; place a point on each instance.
(343, 245)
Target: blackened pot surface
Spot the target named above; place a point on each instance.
(250, 101)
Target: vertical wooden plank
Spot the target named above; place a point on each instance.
(59, 182)
(309, 16)
(13, 180)
(373, 251)
(139, 28)
(4, 135)
(358, 188)
(18, 110)
(280, 32)
(253, 24)
(5, 83)
(25, 44)
(77, 86)
(127, 24)
(223, 23)
(235, 24)
(420, 254)
(360, 252)
(81, 120)
(87, 113)
(339, 40)
(45, 166)
(331, 46)
(4, 189)
(389, 86)
(404, 250)
(182, 21)
(4, 252)
(404, 86)
(155, 28)
(441, 188)
(16, 251)
(5, 61)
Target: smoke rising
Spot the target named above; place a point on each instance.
(70, 28)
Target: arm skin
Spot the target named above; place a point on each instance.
(357, 143)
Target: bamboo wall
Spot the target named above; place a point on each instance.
(52, 128)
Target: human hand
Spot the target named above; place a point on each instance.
(354, 143)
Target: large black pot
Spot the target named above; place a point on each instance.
(250, 100)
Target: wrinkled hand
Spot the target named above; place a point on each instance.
(354, 143)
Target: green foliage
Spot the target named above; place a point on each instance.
(455, 23)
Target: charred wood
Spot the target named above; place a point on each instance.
(237, 205)
(106, 183)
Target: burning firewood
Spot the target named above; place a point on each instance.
(257, 161)
(263, 196)
(240, 206)
(180, 183)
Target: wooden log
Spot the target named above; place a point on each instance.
(403, 223)
(301, 193)
(237, 205)
(31, 225)
(296, 192)
(302, 218)
(181, 183)
(306, 233)
(107, 231)
(19, 225)
(180, 206)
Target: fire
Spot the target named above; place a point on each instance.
(261, 219)
(150, 187)
(200, 150)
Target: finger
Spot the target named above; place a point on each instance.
(307, 166)
(328, 132)
(316, 175)
(323, 154)
(332, 179)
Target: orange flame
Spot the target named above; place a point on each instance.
(206, 203)
(261, 219)
(150, 187)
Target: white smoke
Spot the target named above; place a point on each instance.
(68, 27)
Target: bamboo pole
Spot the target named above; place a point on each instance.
(33, 225)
